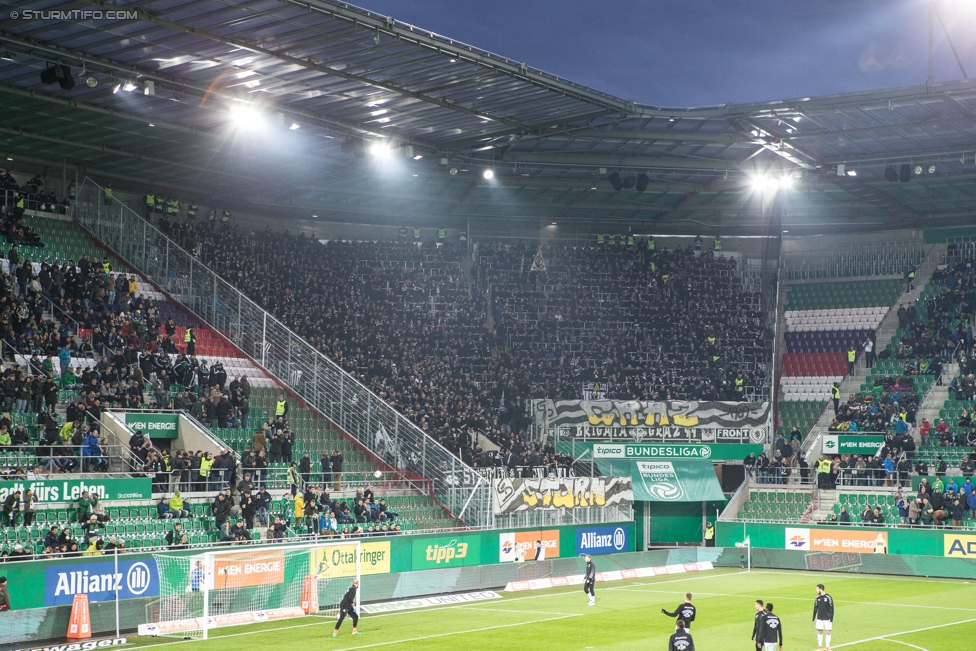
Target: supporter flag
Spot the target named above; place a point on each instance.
(384, 446)
(538, 262)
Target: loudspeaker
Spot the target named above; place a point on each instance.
(65, 79)
(615, 181)
(49, 75)
(905, 173)
(629, 182)
(642, 182)
(60, 74)
(891, 174)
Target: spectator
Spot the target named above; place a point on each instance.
(176, 506)
(11, 509)
(174, 536)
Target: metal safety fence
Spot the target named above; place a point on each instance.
(313, 377)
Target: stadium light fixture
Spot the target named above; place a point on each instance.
(931, 169)
(489, 174)
(851, 172)
(116, 89)
(295, 126)
(380, 149)
(129, 87)
(918, 170)
(244, 116)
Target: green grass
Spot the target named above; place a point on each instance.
(873, 613)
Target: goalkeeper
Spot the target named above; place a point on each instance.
(348, 605)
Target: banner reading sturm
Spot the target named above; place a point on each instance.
(514, 495)
(671, 420)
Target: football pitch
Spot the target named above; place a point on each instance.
(873, 613)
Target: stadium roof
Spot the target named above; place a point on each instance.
(331, 79)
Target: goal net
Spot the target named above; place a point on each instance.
(201, 592)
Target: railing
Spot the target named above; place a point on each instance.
(788, 475)
(560, 517)
(69, 459)
(861, 259)
(308, 373)
(533, 472)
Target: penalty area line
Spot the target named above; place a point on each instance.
(897, 633)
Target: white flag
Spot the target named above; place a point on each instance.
(538, 262)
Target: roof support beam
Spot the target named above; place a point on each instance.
(127, 154)
(772, 142)
(318, 67)
(598, 160)
(461, 52)
(96, 64)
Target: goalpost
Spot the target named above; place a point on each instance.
(231, 587)
(747, 545)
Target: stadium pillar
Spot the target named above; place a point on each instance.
(931, 76)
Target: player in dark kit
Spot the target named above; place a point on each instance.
(348, 606)
(589, 579)
(757, 627)
(681, 639)
(772, 630)
(823, 616)
(685, 613)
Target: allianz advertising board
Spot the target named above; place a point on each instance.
(601, 540)
(100, 581)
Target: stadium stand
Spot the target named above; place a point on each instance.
(823, 322)
(776, 506)
(100, 343)
(427, 318)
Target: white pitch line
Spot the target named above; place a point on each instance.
(329, 619)
(521, 612)
(861, 577)
(772, 597)
(694, 578)
(906, 644)
(449, 634)
(896, 634)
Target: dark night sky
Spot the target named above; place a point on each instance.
(702, 52)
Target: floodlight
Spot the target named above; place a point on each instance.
(488, 174)
(931, 169)
(380, 149)
(918, 170)
(243, 115)
(129, 87)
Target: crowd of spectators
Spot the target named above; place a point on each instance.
(15, 199)
(650, 324)
(409, 321)
(866, 412)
